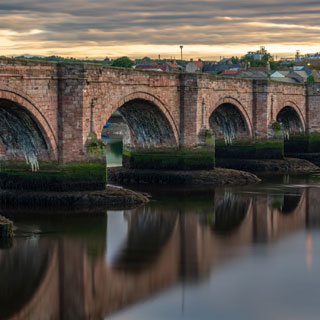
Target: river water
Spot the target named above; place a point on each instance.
(190, 253)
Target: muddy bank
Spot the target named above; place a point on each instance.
(287, 165)
(217, 177)
(111, 198)
(312, 157)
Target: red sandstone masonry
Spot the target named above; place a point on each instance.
(60, 96)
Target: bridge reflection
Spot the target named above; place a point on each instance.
(68, 275)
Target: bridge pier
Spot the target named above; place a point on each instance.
(241, 138)
(306, 145)
(199, 157)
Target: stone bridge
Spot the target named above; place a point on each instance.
(56, 112)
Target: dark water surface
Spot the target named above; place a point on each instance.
(202, 253)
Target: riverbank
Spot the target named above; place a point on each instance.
(287, 165)
(111, 198)
(218, 177)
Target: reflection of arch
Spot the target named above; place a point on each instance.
(26, 278)
(148, 234)
(30, 108)
(242, 110)
(290, 203)
(229, 213)
(291, 117)
(152, 100)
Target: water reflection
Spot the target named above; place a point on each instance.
(89, 267)
(113, 151)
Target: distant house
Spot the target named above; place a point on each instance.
(298, 68)
(299, 76)
(151, 66)
(171, 66)
(218, 68)
(293, 76)
(231, 72)
(253, 73)
(279, 74)
(194, 66)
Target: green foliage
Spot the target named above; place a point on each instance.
(209, 138)
(235, 60)
(69, 177)
(62, 59)
(123, 62)
(274, 65)
(250, 149)
(263, 62)
(96, 148)
(182, 63)
(276, 126)
(198, 159)
(311, 79)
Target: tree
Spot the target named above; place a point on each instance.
(311, 78)
(235, 60)
(123, 62)
(274, 65)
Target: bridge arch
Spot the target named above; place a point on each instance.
(22, 108)
(149, 120)
(229, 117)
(291, 117)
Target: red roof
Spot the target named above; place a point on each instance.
(172, 65)
(230, 72)
(199, 63)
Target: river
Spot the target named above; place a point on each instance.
(190, 253)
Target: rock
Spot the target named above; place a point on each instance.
(213, 177)
(111, 198)
(287, 165)
(6, 228)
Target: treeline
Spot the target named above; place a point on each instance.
(62, 59)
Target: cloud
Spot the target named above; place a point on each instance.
(85, 27)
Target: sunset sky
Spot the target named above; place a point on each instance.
(208, 29)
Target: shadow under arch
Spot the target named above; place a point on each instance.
(291, 120)
(228, 121)
(19, 134)
(150, 123)
(24, 104)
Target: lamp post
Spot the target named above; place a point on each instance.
(181, 47)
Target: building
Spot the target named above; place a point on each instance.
(216, 69)
(257, 55)
(171, 66)
(194, 66)
(151, 66)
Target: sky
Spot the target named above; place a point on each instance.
(208, 29)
